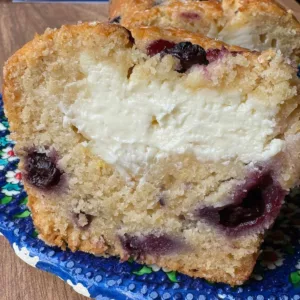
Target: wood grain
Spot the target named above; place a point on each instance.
(19, 281)
(18, 24)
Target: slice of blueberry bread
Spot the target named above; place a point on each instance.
(253, 24)
(158, 144)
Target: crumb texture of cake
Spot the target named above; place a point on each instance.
(260, 25)
(159, 144)
(252, 24)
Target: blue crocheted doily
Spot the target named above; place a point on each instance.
(276, 275)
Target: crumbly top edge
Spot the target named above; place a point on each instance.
(228, 8)
(84, 32)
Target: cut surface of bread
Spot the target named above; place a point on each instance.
(159, 144)
(252, 24)
(260, 25)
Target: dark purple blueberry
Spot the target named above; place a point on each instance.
(188, 54)
(41, 170)
(190, 15)
(158, 46)
(116, 20)
(139, 246)
(213, 54)
(251, 208)
(162, 199)
(88, 219)
(257, 203)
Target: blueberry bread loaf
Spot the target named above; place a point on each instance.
(159, 144)
(253, 24)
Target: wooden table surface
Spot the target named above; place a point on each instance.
(18, 23)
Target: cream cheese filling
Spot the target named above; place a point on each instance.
(131, 123)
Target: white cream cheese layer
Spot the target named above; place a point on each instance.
(130, 122)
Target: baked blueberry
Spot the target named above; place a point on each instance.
(188, 54)
(159, 46)
(152, 244)
(256, 203)
(41, 170)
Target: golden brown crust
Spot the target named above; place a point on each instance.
(217, 8)
(175, 12)
(250, 7)
(119, 7)
(252, 24)
(241, 275)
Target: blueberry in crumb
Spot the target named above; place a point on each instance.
(251, 208)
(214, 54)
(257, 203)
(158, 46)
(41, 170)
(152, 244)
(188, 54)
(190, 15)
